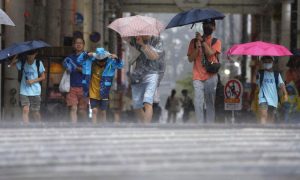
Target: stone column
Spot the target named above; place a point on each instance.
(53, 22)
(98, 20)
(1, 97)
(87, 23)
(285, 31)
(298, 24)
(294, 22)
(67, 19)
(12, 35)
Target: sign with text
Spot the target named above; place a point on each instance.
(233, 91)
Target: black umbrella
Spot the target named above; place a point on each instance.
(18, 48)
(194, 16)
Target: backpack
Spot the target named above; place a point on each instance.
(276, 77)
(20, 74)
(261, 77)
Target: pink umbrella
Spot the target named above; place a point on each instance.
(259, 48)
(137, 26)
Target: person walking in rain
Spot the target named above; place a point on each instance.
(32, 73)
(172, 106)
(75, 98)
(99, 70)
(268, 82)
(145, 77)
(204, 83)
(187, 105)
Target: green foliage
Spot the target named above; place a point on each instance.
(186, 83)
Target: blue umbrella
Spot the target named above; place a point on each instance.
(18, 48)
(194, 16)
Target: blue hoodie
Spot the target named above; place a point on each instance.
(107, 75)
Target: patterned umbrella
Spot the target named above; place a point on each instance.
(137, 26)
(259, 48)
(4, 19)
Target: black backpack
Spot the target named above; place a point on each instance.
(276, 77)
(261, 77)
(23, 61)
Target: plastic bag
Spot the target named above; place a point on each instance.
(64, 85)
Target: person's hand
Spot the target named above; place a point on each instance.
(30, 81)
(114, 56)
(199, 37)
(79, 69)
(14, 59)
(140, 41)
(198, 44)
(285, 98)
(90, 54)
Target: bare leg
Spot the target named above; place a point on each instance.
(117, 117)
(94, 115)
(148, 113)
(140, 114)
(82, 114)
(263, 116)
(73, 114)
(103, 116)
(271, 117)
(36, 115)
(169, 117)
(25, 114)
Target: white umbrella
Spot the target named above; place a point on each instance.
(4, 19)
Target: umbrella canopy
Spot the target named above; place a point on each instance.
(194, 16)
(137, 26)
(18, 48)
(4, 19)
(259, 48)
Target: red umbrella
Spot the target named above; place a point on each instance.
(259, 48)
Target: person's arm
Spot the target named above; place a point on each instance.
(118, 63)
(283, 90)
(13, 61)
(147, 49)
(193, 51)
(39, 79)
(209, 51)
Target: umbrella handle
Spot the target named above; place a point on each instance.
(192, 25)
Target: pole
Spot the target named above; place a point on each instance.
(232, 117)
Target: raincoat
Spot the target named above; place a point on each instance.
(107, 75)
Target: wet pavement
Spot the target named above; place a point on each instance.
(137, 152)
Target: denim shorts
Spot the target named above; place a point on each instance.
(144, 92)
(101, 104)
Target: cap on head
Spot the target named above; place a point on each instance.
(266, 58)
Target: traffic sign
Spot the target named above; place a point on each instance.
(233, 91)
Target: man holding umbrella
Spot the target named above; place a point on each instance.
(143, 34)
(32, 73)
(204, 82)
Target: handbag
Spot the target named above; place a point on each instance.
(64, 85)
(211, 67)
